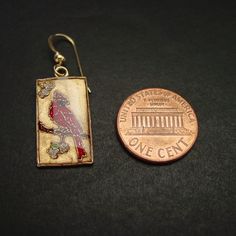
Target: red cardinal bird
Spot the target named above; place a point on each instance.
(66, 120)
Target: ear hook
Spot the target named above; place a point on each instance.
(59, 58)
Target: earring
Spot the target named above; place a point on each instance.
(63, 121)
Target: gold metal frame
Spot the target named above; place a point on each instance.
(39, 164)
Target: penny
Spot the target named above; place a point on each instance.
(157, 125)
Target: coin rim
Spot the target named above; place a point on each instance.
(152, 161)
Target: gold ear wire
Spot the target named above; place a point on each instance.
(59, 69)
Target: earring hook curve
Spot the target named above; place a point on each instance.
(59, 58)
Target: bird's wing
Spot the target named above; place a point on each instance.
(70, 121)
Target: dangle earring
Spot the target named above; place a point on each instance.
(63, 122)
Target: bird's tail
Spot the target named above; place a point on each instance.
(80, 151)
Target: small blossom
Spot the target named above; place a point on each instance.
(64, 147)
(43, 93)
(46, 87)
(57, 148)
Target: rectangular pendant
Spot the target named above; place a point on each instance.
(63, 122)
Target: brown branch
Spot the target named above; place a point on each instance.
(43, 128)
(58, 131)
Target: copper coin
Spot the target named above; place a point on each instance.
(157, 125)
